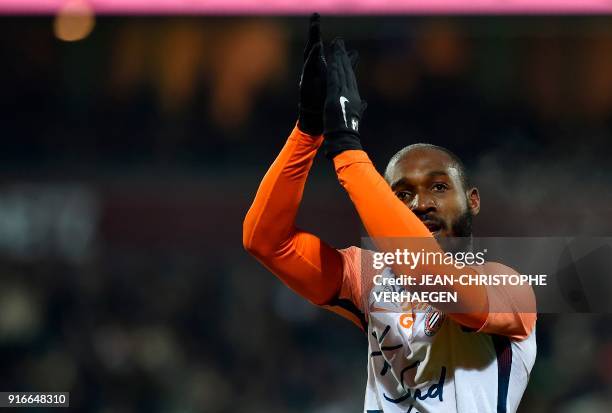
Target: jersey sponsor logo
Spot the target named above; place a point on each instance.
(406, 320)
(433, 321)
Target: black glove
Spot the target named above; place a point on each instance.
(343, 105)
(313, 82)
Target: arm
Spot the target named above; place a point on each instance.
(307, 265)
(301, 260)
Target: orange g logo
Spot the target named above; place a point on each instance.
(406, 320)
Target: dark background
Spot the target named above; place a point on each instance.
(128, 160)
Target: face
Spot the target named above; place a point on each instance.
(428, 182)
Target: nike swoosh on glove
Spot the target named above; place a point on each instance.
(313, 82)
(343, 106)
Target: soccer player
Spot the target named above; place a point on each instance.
(422, 358)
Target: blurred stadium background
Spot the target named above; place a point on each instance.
(129, 158)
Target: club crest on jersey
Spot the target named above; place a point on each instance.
(433, 321)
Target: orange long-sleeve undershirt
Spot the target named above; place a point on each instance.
(301, 260)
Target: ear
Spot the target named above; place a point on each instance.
(473, 198)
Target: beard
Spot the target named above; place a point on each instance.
(460, 234)
(462, 226)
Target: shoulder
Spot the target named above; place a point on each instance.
(492, 267)
(512, 308)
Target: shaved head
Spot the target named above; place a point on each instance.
(458, 164)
